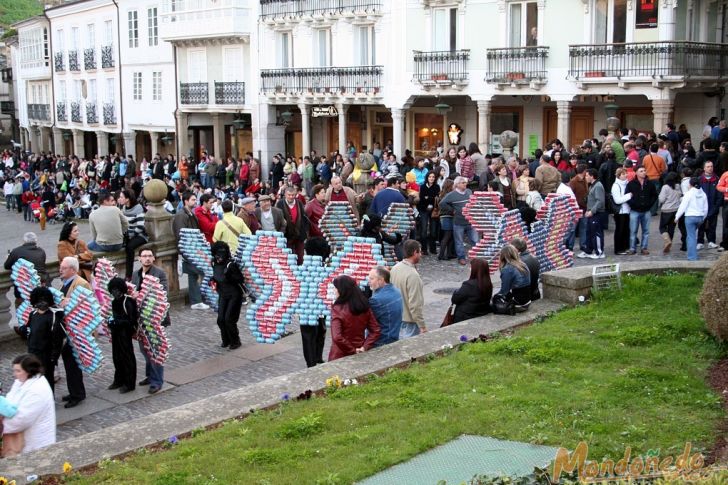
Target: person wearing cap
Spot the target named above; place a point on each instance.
(270, 218)
(247, 214)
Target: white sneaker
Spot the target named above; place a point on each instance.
(712, 245)
(583, 255)
(601, 255)
(200, 306)
(699, 246)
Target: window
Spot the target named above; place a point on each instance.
(91, 95)
(60, 40)
(91, 36)
(137, 89)
(610, 21)
(75, 38)
(62, 91)
(523, 24)
(157, 86)
(77, 90)
(133, 28)
(321, 51)
(197, 66)
(110, 90)
(232, 64)
(445, 29)
(108, 33)
(46, 53)
(285, 51)
(46, 98)
(152, 26)
(364, 45)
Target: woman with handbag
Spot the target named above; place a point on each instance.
(515, 279)
(34, 424)
(472, 299)
(354, 328)
(69, 244)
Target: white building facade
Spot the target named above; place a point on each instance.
(147, 79)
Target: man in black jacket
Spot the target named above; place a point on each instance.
(297, 223)
(644, 195)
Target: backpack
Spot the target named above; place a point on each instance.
(503, 306)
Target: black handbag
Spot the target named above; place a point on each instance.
(503, 306)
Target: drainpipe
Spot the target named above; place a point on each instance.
(51, 62)
(177, 134)
(121, 84)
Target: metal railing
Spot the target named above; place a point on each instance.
(281, 9)
(107, 56)
(516, 64)
(441, 66)
(194, 93)
(61, 111)
(229, 92)
(73, 64)
(39, 112)
(352, 80)
(648, 59)
(59, 63)
(89, 59)
(76, 112)
(91, 117)
(109, 114)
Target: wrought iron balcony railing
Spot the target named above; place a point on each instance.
(59, 62)
(193, 93)
(41, 112)
(516, 65)
(343, 80)
(107, 56)
(89, 59)
(61, 111)
(91, 117)
(73, 64)
(441, 67)
(648, 60)
(76, 112)
(281, 9)
(109, 114)
(229, 92)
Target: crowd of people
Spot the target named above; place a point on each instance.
(630, 175)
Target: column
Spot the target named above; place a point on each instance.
(306, 129)
(102, 143)
(34, 139)
(58, 141)
(484, 126)
(181, 135)
(45, 139)
(343, 109)
(398, 131)
(563, 122)
(666, 25)
(662, 112)
(217, 136)
(23, 139)
(154, 136)
(78, 148)
(129, 142)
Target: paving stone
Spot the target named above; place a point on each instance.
(205, 368)
(90, 405)
(139, 392)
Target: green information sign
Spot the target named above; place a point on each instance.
(532, 144)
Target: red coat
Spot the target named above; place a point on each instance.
(315, 211)
(206, 220)
(347, 331)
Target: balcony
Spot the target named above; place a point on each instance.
(76, 112)
(61, 111)
(272, 10)
(517, 65)
(89, 59)
(347, 81)
(193, 93)
(73, 64)
(58, 62)
(190, 20)
(91, 117)
(109, 114)
(441, 68)
(648, 61)
(107, 56)
(229, 92)
(40, 112)
(7, 108)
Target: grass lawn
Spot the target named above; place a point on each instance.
(626, 370)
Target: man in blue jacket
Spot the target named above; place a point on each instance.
(386, 304)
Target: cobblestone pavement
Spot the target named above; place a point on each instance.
(198, 367)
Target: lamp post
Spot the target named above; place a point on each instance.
(612, 120)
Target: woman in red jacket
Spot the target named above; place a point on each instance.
(350, 317)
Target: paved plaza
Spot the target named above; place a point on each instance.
(197, 367)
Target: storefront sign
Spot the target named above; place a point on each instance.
(532, 144)
(324, 111)
(646, 17)
(454, 133)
